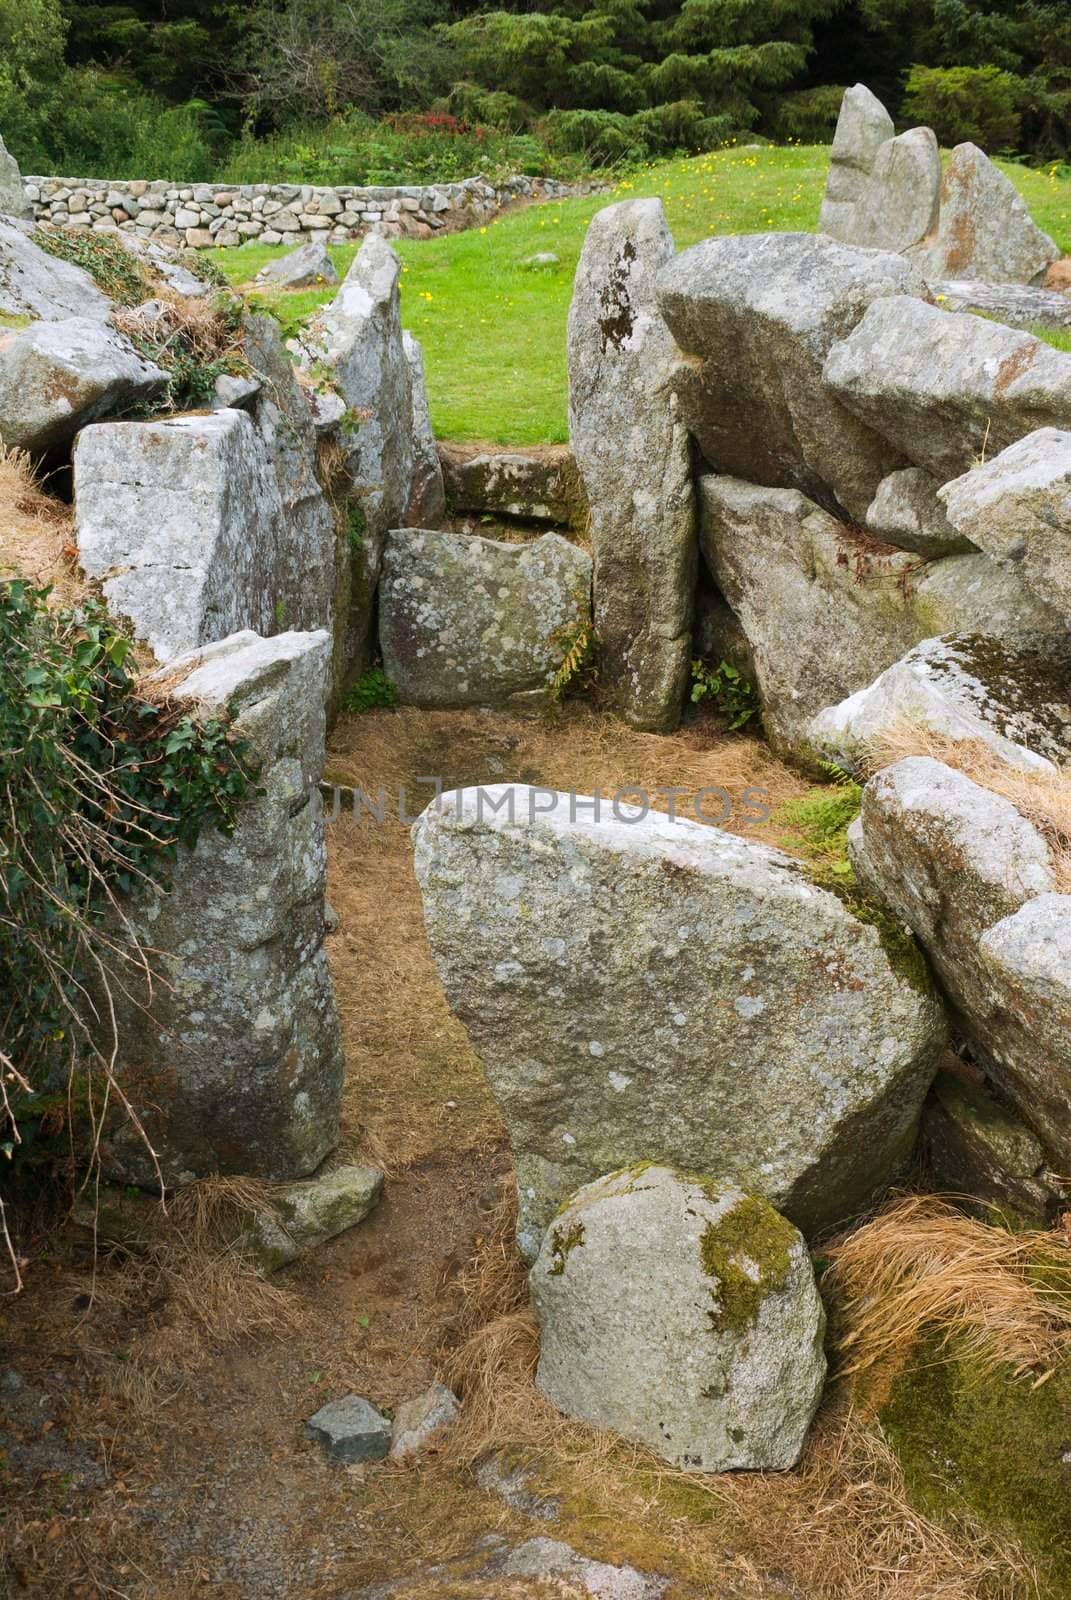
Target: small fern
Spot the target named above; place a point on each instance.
(579, 650)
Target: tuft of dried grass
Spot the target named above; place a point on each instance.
(920, 1265)
(202, 326)
(1043, 798)
(36, 532)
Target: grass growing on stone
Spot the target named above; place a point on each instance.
(493, 330)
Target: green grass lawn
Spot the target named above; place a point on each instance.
(493, 330)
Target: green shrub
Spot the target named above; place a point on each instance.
(809, 116)
(980, 104)
(602, 138)
(734, 695)
(372, 691)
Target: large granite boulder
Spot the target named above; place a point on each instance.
(682, 1313)
(536, 485)
(658, 989)
(1013, 699)
(233, 1062)
(898, 206)
(13, 200)
(906, 512)
(863, 126)
(357, 339)
(758, 314)
(426, 506)
(1017, 508)
(827, 607)
(36, 285)
(57, 376)
(947, 388)
(634, 457)
(984, 230)
(467, 621)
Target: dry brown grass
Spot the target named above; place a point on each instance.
(1044, 798)
(920, 1265)
(36, 532)
(201, 326)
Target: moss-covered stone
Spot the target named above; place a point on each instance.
(563, 1241)
(748, 1252)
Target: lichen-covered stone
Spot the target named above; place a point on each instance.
(1017, 508)
(758, 314)
(494, 1567)
(36, 285)
(427, 496)
(537, 485)
(467, 621)
(661, 989)
(57, 376)
(906, 512)
(302, 1215)
(984, 230)
(350, 1430)
(417, 1422)
(863, 126)
(634, 457)
(682, 1313)
(898, 206)
(946, 388)
(233, 1062)
(975, 1147)
(306, 267)
(1013, 699)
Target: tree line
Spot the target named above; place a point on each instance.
(205, 88)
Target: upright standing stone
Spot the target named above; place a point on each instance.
(427, 497)
(13, 201)
(898, 207)
(863, 126)
(633, 454)
(234, 1061)
(985, 230)
(359, 337)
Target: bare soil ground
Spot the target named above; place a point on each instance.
(155, 1448)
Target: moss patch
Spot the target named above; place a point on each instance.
(751, 1236)
(110, 264)
(563, 1242)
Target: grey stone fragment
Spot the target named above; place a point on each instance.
(540, 485)
(683, 1314)
(418, 1421)
(635, 989)
(906, 512)
(1014, 700)
(13, 198)
(552, 1566)
(898, 206)
(510, 1482)
(427, 497)
(1017, 305)
(976, 1147)
(304, 1215)
(350, 1430)
(863, 126)
(947, 388)
(303, 268)
(57, 376)
(759, 314)
(1017, 508)
(470, 621)
(633, 454)
(984, 230)
(232, 391)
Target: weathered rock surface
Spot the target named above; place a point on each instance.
(538, 485)
(682, 1313)
(863, 126)
(1017, 305)
(719, 634)
(34, 284)
(658, 989)
(350, 1430)
(984, 230)
(304, 1215)
(634, 457)
(466, 621)
(302, 268)
(906, 512)
(537, 1567)
(975, 1146)
(234, 1062)
(427, 496)
(13, 201)
(1013, 699)
(898, 206)
(759, 313)
(417, 1422)
(57, 376)
(1017, 508)
(946, 388)
(510, 1480)
(358, 337)
(1026, 959)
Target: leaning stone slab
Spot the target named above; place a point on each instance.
(57, 376)
(976, 1147)
(863, 126)
(898, 207)
(946, 388)
(538, 485)
(1014, 699)
(13, 201)
(233, 1062)
(350, 1430)
(466, 621)
(759, 314)
(906, 512)
(1027, 961)
(1017, 508)
(304, 1215)
(303, 268)
(418, 1422)
(985, 230)
(659, 989)
(1017, 305)
(427, 496)
(36, 285)
(634, 457)
(682, 1313)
